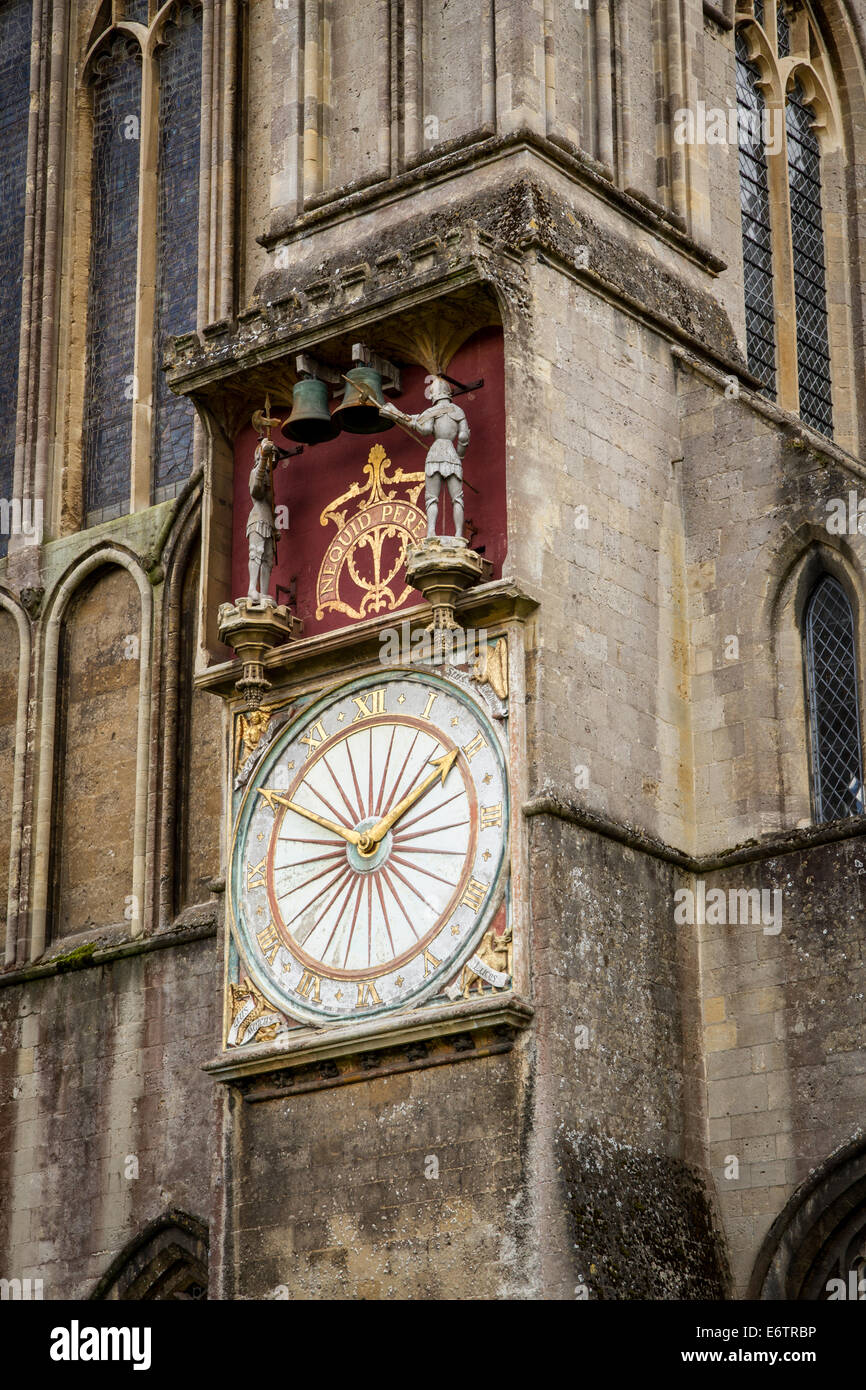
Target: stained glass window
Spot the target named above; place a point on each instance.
(831, 674)
(177, 232)
(807, 232)
(783, 33)
(112, 288)
(136, 10)
(15, 22)
(755, 220)
(759, 11)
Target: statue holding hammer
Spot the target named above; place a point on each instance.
(448, 425)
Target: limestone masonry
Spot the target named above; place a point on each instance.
(598, 1029)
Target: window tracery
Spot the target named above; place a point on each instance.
(15, 26)
(138, 437)
(110, 390)
(755, 215)
(782, 75)
(834, 709)
(177, 237)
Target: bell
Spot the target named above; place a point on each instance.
(311, 422)
(355, 413)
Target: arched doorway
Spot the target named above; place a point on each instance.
(166, 1261)
(816, 1248)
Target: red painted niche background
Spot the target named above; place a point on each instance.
(308, 482)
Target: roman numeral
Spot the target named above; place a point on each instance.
(309, 986)
(491, 815)
(434, 695)
(430, 962)
(256, 874)
(376, 706)
(314, 738)
(474, 746)
(474, 894)
(269, 942)
(367, 993)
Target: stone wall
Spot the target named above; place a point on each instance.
(411, 1186)
(618, 1101)
(106, 1121)
(96, 757)
(784, 1034)
(657, 508)
(8, 720)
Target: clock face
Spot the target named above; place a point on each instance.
(370, 848)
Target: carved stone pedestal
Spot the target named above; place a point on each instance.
(252, 627)
(443, 567)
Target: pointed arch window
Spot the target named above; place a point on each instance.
(807, 239)
(177, 238)
(834, 707)
(784, 263)
(16, 17)
(143, 280)
(755, 217)
(110, 390)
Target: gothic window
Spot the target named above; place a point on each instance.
(807, 237)
(783, 33)
(143, 284)
(111, 302)
(834, 711)
(15, 23)
(177, 235)
(783, 214)
(136, 10)
(755, 215)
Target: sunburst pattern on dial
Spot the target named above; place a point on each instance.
(370, 848)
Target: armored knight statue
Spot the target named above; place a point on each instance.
(447, 423)
(262, 531)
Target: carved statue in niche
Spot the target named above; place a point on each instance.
(249, 733)
(262, 532)
(447, 423)
(495, 952)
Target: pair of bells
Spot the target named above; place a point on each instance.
(311, 421)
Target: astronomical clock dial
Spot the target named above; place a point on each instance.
(370, 848)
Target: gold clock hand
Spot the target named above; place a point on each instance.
(441, 767)
(272, 798)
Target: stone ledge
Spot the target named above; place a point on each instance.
(492, 1013)
(443, 163)
(495, 603)
(92, 953)
(794, 841)
(795, 430)
(483, 246)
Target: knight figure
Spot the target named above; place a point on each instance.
(447, 423)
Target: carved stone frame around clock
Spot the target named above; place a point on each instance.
(430, 1033)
